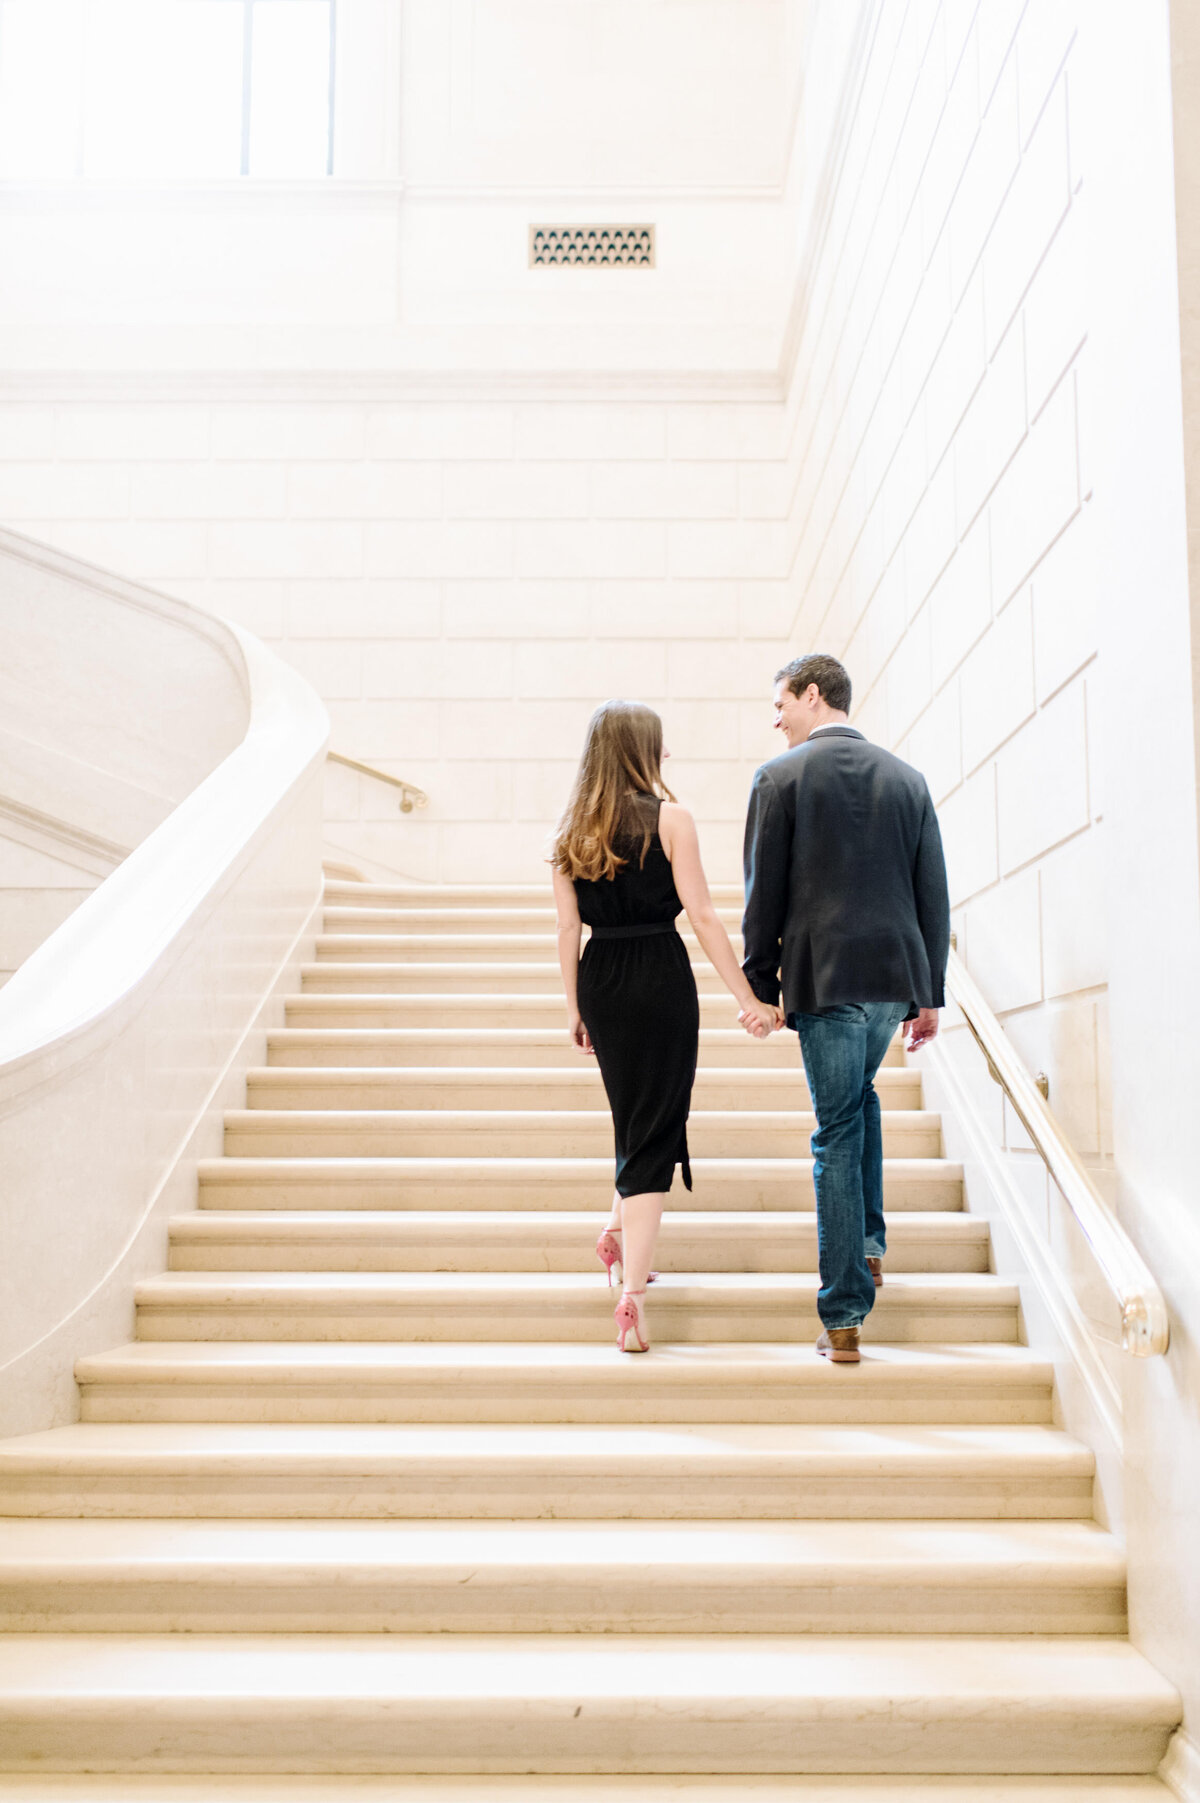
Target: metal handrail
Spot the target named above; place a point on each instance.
(410, 795)
(1145, 1327)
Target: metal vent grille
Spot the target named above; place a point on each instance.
(611, 246)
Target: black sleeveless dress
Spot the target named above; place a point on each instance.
(637, 999)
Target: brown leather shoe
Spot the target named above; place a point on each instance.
(875, 1267)
(840, 1346)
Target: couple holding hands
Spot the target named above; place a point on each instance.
(846, 903)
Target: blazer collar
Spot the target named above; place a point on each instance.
(834, 732)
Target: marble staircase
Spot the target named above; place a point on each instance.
(371, 1508)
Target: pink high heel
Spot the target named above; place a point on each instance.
(608, 1251)
(630, 1320)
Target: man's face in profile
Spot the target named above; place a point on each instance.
(792, 717)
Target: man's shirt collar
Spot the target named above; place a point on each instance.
(837, 726)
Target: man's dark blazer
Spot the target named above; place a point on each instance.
(845, 879)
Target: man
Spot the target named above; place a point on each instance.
(846, 896)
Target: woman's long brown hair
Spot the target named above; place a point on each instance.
(620, 769)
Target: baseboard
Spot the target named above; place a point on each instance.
(1180, 1770)
(37, 1387)
(1087, 1395)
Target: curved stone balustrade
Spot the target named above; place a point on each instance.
(121, 1035)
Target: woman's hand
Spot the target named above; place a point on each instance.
(579, 1036)
(761, 1019)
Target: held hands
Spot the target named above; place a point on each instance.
(761, 1019)
(578, 1035)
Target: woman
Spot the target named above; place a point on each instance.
(626, 859)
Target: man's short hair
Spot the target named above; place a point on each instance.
(831, 679)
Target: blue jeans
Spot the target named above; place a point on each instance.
(843, 1047)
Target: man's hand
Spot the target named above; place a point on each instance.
(921, 1030)
(761, 1020)
(579, 1036)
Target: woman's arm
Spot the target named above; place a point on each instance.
(677, 830)
(570, 932)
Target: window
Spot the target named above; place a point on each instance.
(113, 90)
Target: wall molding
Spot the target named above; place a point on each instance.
(598, 193)
(60, 838)
(389, 386)
(1053, 1285)
(1180, 1770)
(243, 193)
(334, 192)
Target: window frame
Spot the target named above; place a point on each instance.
(80, 175)
(248, 7)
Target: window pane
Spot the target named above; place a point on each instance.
(289, 100)
(41, 52)
(163, 89)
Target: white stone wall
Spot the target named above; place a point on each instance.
(938, 439)
(461, 582)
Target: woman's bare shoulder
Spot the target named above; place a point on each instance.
(674, 824)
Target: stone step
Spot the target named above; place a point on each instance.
(742, 1787)
(413, 917)
(509, 1133)
(553, 1577)
(442, 976)
(381, 948)
(669, 1472)
(720, 1184)
(552, 1307)
(443, 1008)
(526, 1381)
(526, 1241)
(473, 895)
(335, 1086)
(579, 1703)
(501, 1048)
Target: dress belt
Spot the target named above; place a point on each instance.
(657, 926)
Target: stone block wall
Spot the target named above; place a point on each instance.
(461, 582)
(938, 434)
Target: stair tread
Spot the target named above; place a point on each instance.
(514, 999)
(734, 1361)
(545, 966)
(824, 1553)
(534, 1788)
(890, 1076)
(184, 1447)
(476, 894)
(497, 915)
(488, 1036)
(529, 1169)
(890, 1082)
(899, 1120)
(381, 1045)
(374, 1224)
(813, 1677)
(981, 1289)
(422, 945)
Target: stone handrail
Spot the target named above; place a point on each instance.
(1145, 1329)
(410, 795)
